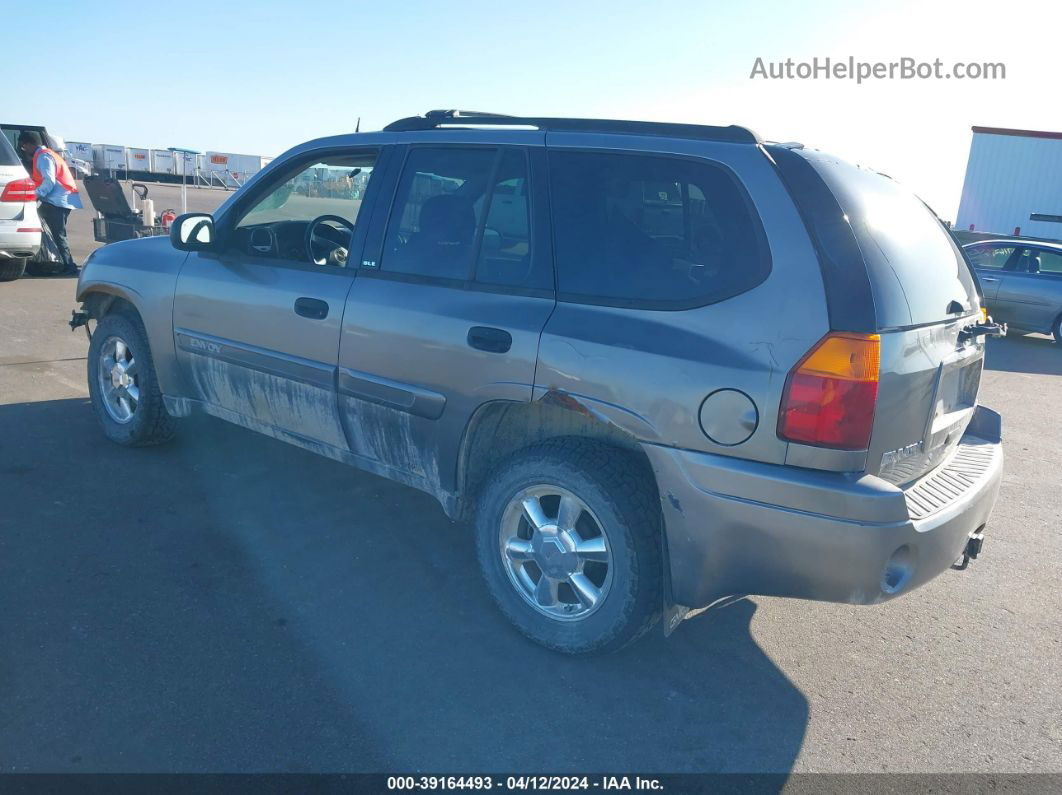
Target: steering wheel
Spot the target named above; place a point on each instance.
(337, 255)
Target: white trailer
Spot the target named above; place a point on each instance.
(108, 157)
(215, 161)
(80, 150)
(186, 163)
(137, 159)
(163, 161)
(239, 166)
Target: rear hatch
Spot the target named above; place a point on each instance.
(922, 294)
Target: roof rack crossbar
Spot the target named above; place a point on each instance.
(436, 119)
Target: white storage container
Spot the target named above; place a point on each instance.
(138, 159)
(107, 157)
(163, 161)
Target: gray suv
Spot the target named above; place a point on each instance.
(653, 365)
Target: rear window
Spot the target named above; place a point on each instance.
(915, 268)
(8, 155)
(650, 231)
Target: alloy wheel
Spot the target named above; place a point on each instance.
(556, 552)
(118, 381)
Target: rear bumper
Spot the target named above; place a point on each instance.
(741, 527)
(14, 244)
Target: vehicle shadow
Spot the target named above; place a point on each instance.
(1016, 353)
(230, 603)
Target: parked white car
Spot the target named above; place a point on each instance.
(20, 226)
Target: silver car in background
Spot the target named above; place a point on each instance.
(1022, 283)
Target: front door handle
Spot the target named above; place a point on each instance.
(987, 279)
(492, 340)
(313, 308)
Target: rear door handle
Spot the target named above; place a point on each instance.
(986, 279)
(492, 340)
(313, 308)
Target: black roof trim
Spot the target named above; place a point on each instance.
(1018, 133)
(435, 119)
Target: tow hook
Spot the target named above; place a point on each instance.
(972, 550)
(988, 329)
(79, 317)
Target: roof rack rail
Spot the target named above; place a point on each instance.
(434, 119)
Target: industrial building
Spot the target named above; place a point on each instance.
(1013, 184)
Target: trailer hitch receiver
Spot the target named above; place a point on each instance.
(972, 549)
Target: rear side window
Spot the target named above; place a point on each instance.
(915, 268)
(650, 231)
(8, 155)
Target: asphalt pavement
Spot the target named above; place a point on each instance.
(230, 603)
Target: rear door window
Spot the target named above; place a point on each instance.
(463, 215)
(504, 256)
(437, 211)
(651, 231)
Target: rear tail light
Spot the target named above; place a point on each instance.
(19, 190)
(831, 393)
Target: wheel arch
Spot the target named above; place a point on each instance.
(498, 429)
(100, 298)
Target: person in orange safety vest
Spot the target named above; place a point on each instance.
(56, 191)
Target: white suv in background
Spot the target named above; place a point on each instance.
(20, 227)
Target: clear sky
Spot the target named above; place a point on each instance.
(260, 77)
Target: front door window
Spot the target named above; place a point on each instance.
(309, 215)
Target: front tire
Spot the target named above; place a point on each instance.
(11, 269)
(123, 386)
(1056, 330)
(568, 539)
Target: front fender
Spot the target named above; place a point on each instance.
(142, 273)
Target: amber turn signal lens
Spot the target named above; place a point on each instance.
(831, 394)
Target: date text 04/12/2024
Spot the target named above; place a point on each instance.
(442, 783)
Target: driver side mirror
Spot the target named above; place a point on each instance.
(193, 232)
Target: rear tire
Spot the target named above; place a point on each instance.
(123, 386)
(595, 587)
(1056, 330)
(11, 269)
